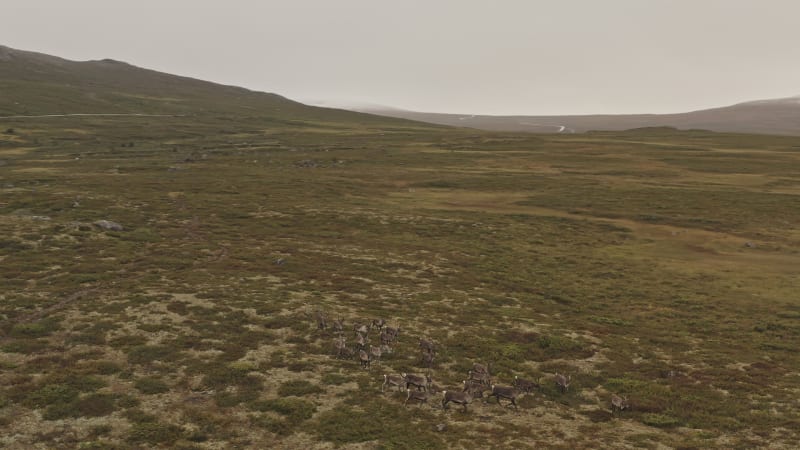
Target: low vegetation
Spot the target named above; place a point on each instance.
(658, 268)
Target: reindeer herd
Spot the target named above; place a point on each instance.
(418, 388)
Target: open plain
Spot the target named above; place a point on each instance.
(656, 264)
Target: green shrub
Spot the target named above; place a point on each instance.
(52, 394)
(281, 427)
(58, 411)
(335, 379)
(154, 433)
(127, 401)
(95, 405)
(83, 383)
(143, 354)
(229, 399)
(298, 388)
(294, 409)
(149, 386)
(100, 430)
(378, 421)
(139, 416)
(34, 330)
(220, 376)
(25, 346)
(659, 420)
(102, 367)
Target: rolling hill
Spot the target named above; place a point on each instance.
(38, 84)
(777, 116)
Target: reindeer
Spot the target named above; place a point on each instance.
(563, 382)
(427, 346)
(387, 338)
(420, 382)
(619, 403)
(527, 386)
(459, 398)
(480, 368)
(427, 359)
(360, 329)
(361, 341)
(378, 323)
(506, 392)
(481, 377)
(421, 397)
(375, 353)
(364, 358)
(339, 346)
(432, 385)
(322, 321)
(338, 325)
(475, 389)
(347, 353)
(394, 333)
(392, 380)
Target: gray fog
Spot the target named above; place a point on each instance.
(461, 56)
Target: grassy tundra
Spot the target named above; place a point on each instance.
(657, 265)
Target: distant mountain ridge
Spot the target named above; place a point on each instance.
(38, 84)
(773, 116)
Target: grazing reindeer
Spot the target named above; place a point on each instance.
(459, 398)
(427, 346)
(386, 338)
(392, 380)
(361, 341)
(364, 358)
(432, 385)
(421, 397)
(339, 347)
(505, 392)
(481, 377)
(475, 389)
(527, 386)
(393, 332)
(427, 359)
(360, 329)
(338, 325)
(375, 353)
(378, 323)
(322, 321)
(480, 368)
(563, 382)
(619, 403)
(347, 353)
(420, 382)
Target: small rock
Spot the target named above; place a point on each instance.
(108, 225)
(306, 163)
(79, 226)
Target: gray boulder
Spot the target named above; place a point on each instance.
(108, 225)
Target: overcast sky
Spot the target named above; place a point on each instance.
(464, 56)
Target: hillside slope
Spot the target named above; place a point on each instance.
(36, 84)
